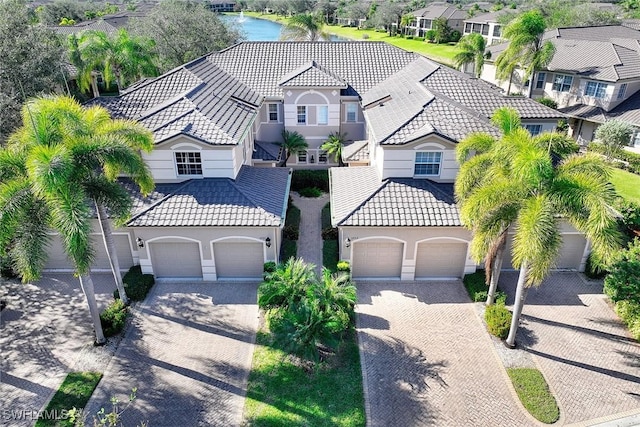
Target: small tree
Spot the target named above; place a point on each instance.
(614, 134)
(472, 51)
(442, 30)
(292, 143)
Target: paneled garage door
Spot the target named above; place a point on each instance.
(381, 259)
(58, 259)
(570, 256)
(176, 259)
(238, 260)
(441, 259)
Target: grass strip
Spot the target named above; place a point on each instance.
(534, 394)
(74, 392)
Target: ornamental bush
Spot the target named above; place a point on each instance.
(498, 320)
(623, 281)
(113, 318)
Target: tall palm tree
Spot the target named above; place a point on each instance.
(304, 27)
(473, 50)
(120, 58)
(292, 143)
(526, 46)
(100, 149)
(35, 196)
(405, 21)
(333, 146)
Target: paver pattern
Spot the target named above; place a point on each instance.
(188, 352)
(310, 239)
(587, 356)
(45, 327)
(427, 359)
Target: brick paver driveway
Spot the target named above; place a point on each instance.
(588, 358)
(188, 353)
(427, 359)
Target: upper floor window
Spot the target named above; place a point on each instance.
(533, 129)
(323, 115)
(540, 80)
(622, 91)
(497, 31)
(596, 89)
(302, 115)
(352, 112)
(428, 163)
(273, 113)
(189, 163)
(562, 83)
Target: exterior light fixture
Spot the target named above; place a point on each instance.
(347, 242)
(267, 242)
(140, 242)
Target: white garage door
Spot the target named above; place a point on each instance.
(381, 259)
(441, 259)
(57, 258)
(238, 260)
(176, 259)
(570, 256)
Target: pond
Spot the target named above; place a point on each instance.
(259, 29)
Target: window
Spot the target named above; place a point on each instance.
(323, 115)
(302, 115)
(562, 83)
(322, 157)
(468, 27)
(302, 157)
(428, 163)
(635, 139)
(596, 89)
(540, 80)
(477, 28)
(497, 31)
(485, 30)
(189, 163)
(352, 112)
(273, 113)
(533, 129)
(622, 91)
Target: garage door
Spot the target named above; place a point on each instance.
(441, 259)
(57, 258)
(176, 259)
(238, 260)
(377, 259)
(570, 255)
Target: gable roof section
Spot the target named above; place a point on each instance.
(349, 188)
(628, 111)
(395, 202)
(357, 151)
(256, 198)
(312, 75)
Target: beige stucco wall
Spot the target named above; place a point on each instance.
(312, 98)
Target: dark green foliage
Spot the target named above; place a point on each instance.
(291, 228)
(593, 269)
(548, 102)
(136, 284)
(113, 318)
(269, 267)
(74, 392)
(430, 35)
(326, 216)
(632, 159)
(629, 313)
(289, 249)
(478, 289)
(455, 36)
(310, 192)
(623, 280)
(290, 232)
(303, 178)
(498, 320)
(329, 233)
(330, 255)
(630, 213)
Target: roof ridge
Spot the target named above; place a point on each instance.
(383, 184)
(158, 202)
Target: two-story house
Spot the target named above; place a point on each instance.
(594, 75)
(487, 25)
(220, 203)
(425, 17)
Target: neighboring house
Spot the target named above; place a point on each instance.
(220, 6)
(593, 76)
(219, 206)
(425, 17)
(487, 24)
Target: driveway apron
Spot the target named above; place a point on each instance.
(188, 353)
(427, 359)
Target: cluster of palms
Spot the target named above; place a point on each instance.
(56, 172)
(293, 143)
(305, 312)
(528, 186)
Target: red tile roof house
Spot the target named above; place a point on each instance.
(220, 203)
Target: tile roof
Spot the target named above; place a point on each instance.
(441, 10)
(490, 17)
(266, 151)
(628, 111)
(357, 151)
(587, 112)
(257, 197)
(394, 202)
(98, 25)
(312, 75)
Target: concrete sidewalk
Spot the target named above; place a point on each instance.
(310, 239)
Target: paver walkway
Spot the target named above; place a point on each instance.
(45, 329)
(588, 358)
(427, 359)
(189, 353)
(310, 239)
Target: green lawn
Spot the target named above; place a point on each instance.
(443, 53)
(627, 185)
(281, 392)
(74, 392)
(533, 391)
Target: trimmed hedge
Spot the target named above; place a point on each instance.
(291, 230)
(629, 313)
(136, 284)
(289, 249)
(498, 320)
(310, 192)
(330, 255)
(303, 178)
(478, 290)
(113, 318)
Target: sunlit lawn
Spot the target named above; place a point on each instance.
(627, 185)
(438, 52)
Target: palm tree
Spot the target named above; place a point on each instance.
(333, 146)
(405, 21)
(120, 58)
(292, 143)
(526, 46)
(472, 50)
(304, 27)
(100, 149)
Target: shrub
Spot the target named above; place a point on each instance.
(408, 37)
(548, 102)
(291, 229)
(454, 36)
(430, 35)
(113, 318)
(326, 216)
(365, 36)
(289, 249)
(420, 39)
(329, 233)
(498, 320)
(303, 178)
(290, 232)
(623, 280)
(344, 266)
(632, 159)
(269, 267)
(593, 269)
(136, 284)
(310, 192)
(629, 313)
(478, 289)
(330, 254)
(630, 213)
